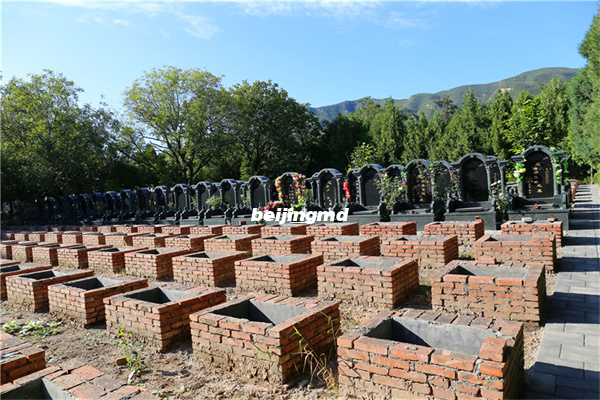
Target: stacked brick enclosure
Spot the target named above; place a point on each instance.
(175, 230)
(48, 254)
(370, 281)
(257, 334)
(151, 229)
(285, 244)
(230, 242)
(77, 256)
(207, 230)
(207, 268)
(467, 231)
(11, 270)
(6, 248)
(160, 316)
(126, 229)
(107, 229)
(21, 236)
(72, 237)
(120, 239)
(7, 263)
(31, 290)
(93, 238)
(151, 240)
(389, 229)
(508, 291)
(37, 236)
(242, 229)
(19, 358)
(71, 380)
(286, 275)
(550, 226)
(284, 229)
(55, 237)
(23, 251)
(110, 260)
(325, 230)
(416, 354)
(338, 247)
(152, 263)
(518, 248)
(431, 251)
(82, 300)
(187, 241)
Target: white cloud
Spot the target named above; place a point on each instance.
(198, 26)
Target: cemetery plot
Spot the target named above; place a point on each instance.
(467, 231)
(190, 242)
(160, 316)
(174, 230)
(152, 263)
(31, 290)
(151, 240)
(515, 292)
(126, 229)
(207, 230)
(287, 275)
(77, 256)
(19, 359)
(17, 269)
(325, 230)
(256, 335)
(539, 249)
(432, 251)
(387, 230)
(242, 229)
(284, 229)
(337, 247)
(411, 353)
(209, 268)
(284, 244)
(110, 260)
(379, 282)
(82, 300)
(6, 248)
(230, 242)
(37, 236)
(550, 226)
(48, 253)
(121, 239)
(23, 251)
(93, 238)
(72, 237)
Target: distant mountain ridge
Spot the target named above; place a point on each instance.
(530, 81)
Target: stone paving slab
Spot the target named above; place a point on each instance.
(568, 361)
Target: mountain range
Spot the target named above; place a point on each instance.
(531, 81)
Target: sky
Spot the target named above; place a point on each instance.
(320, 52)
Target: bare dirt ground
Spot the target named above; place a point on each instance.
(175, 374)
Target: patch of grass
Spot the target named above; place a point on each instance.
(38, 329)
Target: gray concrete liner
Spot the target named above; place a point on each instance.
(281, 259)
(258, 311)
(509, 238)
(416, 238)
(10, 268)
(485, 270)
(348, 238)
(45, 274)
(456, 338)
(382, 263)
(41, 388)
(160, 295)
(93, 283)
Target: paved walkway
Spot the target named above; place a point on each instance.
(568, 362)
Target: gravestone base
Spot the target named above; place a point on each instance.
(541, 215)
(488, 218)
(421, 219)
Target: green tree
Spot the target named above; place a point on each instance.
(527, 126)
(341, 134)
(500, 116)
(275, 132)
(418, 138)
(554, 102)
(182, 113)
(50, 144)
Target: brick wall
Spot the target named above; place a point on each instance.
(489, 367)
(284, 229)
(30, 291)
(242, 229)
(431, 251)
(48, 254)
(338, 247)
(325, 230)
(175, 230)
(285, 244)
(55, 237)
(150, 229)
(467, 231)
(151, 240)
(187, 241)
(152, 263)
(107, 229)
(93, 238)
(77, 256)
(19, 358)
(389, 229)
(73, 380)
(121, 239)
(286, 275)
(508, 291)
(369, 281)
(23, 251)
(82, 301)
(207, 268)
(520, 248)
(162, 325)
(126, 229)
(11, 270)
(37, 236)
(550, 226)
(271, 350)
(230, 242)
(6, 248)
(207, 229)
(110, 260)
(72, 237)
(21, 236)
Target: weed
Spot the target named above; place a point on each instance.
(38, 329)
(135, 362)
